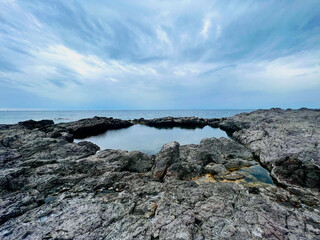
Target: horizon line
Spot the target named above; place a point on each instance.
(40, 109)
(204, 109)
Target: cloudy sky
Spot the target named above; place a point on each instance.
(146, 54)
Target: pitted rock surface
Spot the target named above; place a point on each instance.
(286, 141)
(52, 188)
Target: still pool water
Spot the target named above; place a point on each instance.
(256, 174)
(149, 139)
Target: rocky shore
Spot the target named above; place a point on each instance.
(182, 122)
(53, 188)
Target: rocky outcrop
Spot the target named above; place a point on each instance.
(182, 122)
(168, 155)
(31, 124)
(94, 126)
(286, 141)
(53, 188)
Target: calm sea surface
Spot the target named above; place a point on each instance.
(138, 137)
(10, 117)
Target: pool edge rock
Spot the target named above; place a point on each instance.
(53, 188)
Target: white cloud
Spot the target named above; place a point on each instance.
(162, 35)
(205, 28)
(158, 48)
(287, 74)
(207, 24)
(89, 67)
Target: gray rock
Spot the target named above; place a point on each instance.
(31, 124)
(216, 169)
(51, 188)
(168, 155)
(184, 170)
(232, 176)
(139, 162)
(237, 163)
(94, 126)
(286, 141)
(182, 122)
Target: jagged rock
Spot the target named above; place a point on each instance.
(168, 155)
(182, 122)
(51, 188)
(31, 124)
(184, 170)
(216, 169)
(237, 163)
(276, 135)
(140, 162)
(292, 170)
(194, 154)
(93, 126)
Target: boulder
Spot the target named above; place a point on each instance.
(168, 155)
(139, 162)
(216, 169)
(237, 163)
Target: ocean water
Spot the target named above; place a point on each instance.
(143, 138)
(11, 117)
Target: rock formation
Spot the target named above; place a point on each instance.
(53, 188)
(286, 141)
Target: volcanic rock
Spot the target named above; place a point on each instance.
(52, 188)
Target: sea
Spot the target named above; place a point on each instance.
(144, 138)
(138, 137)
(12, 117)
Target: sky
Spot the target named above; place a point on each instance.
(146, 54)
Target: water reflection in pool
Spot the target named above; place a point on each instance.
(149, 139)
(256, 174)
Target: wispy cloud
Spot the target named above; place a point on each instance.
(206, 26)
(159, 54)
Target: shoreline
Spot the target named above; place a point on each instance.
(68, 190)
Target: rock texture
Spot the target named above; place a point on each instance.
(182, 122)
(52, 188)
(94, 126)
(286, 141)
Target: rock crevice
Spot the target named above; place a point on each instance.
(53, 188)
